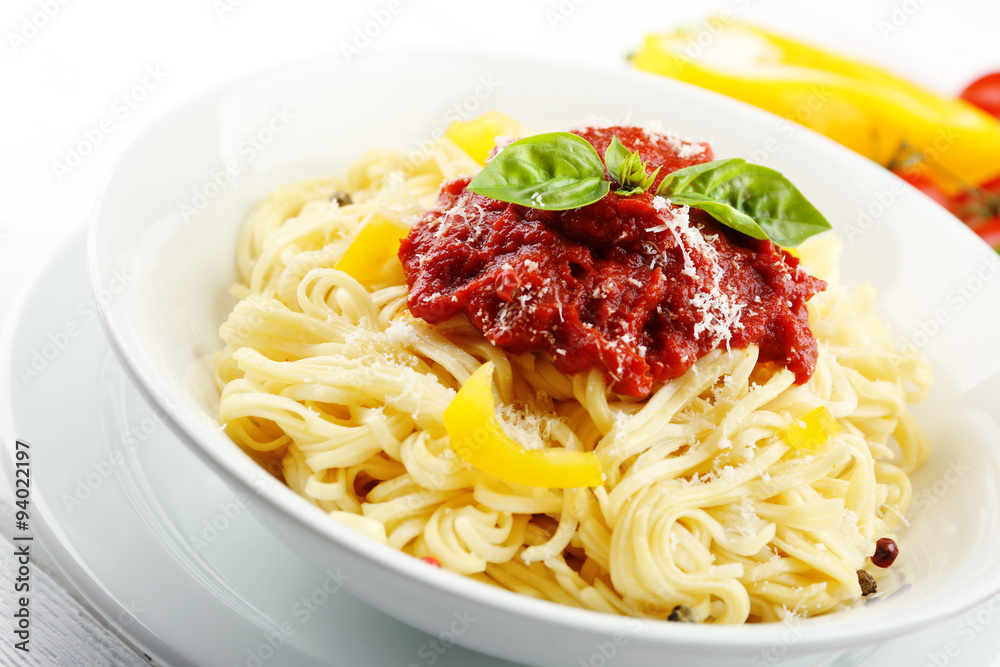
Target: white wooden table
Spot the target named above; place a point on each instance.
(101, 71)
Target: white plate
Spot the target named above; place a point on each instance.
(164, 273)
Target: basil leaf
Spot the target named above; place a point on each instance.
(555, 171)
(732, 191)
(627, 169)
(682, 180)
(724, 213)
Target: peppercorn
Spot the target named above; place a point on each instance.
(682, 614)
(885, 552)
(867, 582)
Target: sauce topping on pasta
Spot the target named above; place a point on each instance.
(631, 285)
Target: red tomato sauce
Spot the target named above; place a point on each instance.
(633, 286)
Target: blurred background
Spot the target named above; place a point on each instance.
(81, 80)
(67, 67)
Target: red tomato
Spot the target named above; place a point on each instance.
(989, 231)
(984, 92)
(920, 181)
(978, 206)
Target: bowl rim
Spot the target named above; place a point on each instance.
(825, 632)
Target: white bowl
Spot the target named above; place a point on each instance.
(161, 259)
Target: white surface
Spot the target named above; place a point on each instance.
(68, 630)
(68, 77)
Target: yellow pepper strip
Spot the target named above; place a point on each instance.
(478, 438)
(864, 108)
(814, 429)
(478, 136)
(375, 244)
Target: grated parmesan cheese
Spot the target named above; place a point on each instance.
(720, 311)
(527, 428)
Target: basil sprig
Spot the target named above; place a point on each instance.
(560, 171)
(627, 169)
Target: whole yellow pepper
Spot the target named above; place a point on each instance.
(477, 437)
(862, 107)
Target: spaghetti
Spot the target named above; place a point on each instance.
(706, 501)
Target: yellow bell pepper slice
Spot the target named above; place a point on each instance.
(862, 107)
(477, 437)
(376, 243)
(814, 429)
(478, 136)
